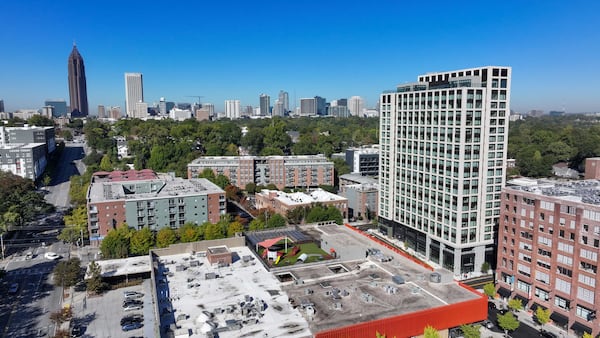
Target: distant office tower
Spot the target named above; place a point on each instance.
(47, 111)
(59, 105)
(205, 113)
(278, 109)
(162, 106)
(101, 112)
(320, 106)
(209, 107)
(141, 110)
(134, 92)
(265, 105)
(284, 98)
(248, 111)
(77, 85)
(232, 109)
(338, 111)
(115, 113)
(443, 151)
(1, 106)
(356, 105)
(308, 107)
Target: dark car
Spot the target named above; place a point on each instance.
(455, 333)
(548, 334)
(132, 302)
(491, 305)
(131, 326)
(77, 331)
(136, 318)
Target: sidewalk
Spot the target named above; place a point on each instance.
(526, 318)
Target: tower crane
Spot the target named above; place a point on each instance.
(198, 97)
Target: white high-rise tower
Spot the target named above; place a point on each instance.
(443, 144)
(356, 105)
(134, 92)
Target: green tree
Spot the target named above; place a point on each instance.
(70, 234)
(141, 241)
(77, 217)
(116, 243)
(207, 173)
(485, 267)
(67, 273)
(233, 228)
(46, 180)
(256, 224)
(542, 315)
(67, 135)
(430, 332)
(189, 233)
(489, 290)
(40, 121)
(165, 237)
(221, 181)
(515, 304)
(213, 231)
(296, 215)
(250, 188)
(587, 335)
(471, 331)
(253, 141)
(106, 164)
(95, 284)
(275, 221)
(508, 322)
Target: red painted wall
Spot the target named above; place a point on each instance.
(413, 324)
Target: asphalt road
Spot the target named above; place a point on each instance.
(27, 313)
(69, 164)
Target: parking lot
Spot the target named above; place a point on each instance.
(101, 315)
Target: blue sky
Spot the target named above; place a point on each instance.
(240, 49)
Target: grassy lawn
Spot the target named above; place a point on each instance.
(311, 249)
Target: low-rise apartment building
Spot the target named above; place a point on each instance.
(548, 244)
(281, 202)
(304, 171)
(146, 199)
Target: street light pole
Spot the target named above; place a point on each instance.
(2, 243)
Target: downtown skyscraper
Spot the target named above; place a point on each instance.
(77, 85)
(134, 94)
(443, 142)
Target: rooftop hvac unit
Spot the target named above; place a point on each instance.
(435, 277)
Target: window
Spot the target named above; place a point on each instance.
(523, 286)
(583, 312)
(524, 270)
(542, 277)
(591, 255)
(587, 280)
(564, 259)
(564, 271)
(565, 247)
(563, 286)
(542, 294)
(561, 303)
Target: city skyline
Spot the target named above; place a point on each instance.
(362, 48)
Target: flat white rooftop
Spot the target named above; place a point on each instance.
(240, 300)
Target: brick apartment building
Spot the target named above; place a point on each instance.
(146, 199)
(284, 171)
(548, 244)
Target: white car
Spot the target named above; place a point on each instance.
(51, 255)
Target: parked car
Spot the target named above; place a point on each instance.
(131, 326)
(139, 318)
(132, 294)
(29, 255)
(51, 255)
(13, 289)
(548, 334)
(77, 331)
(132, 302)
(491, 305)
(456, 333)
(132, 307)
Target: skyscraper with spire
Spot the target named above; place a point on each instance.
(77, 85)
